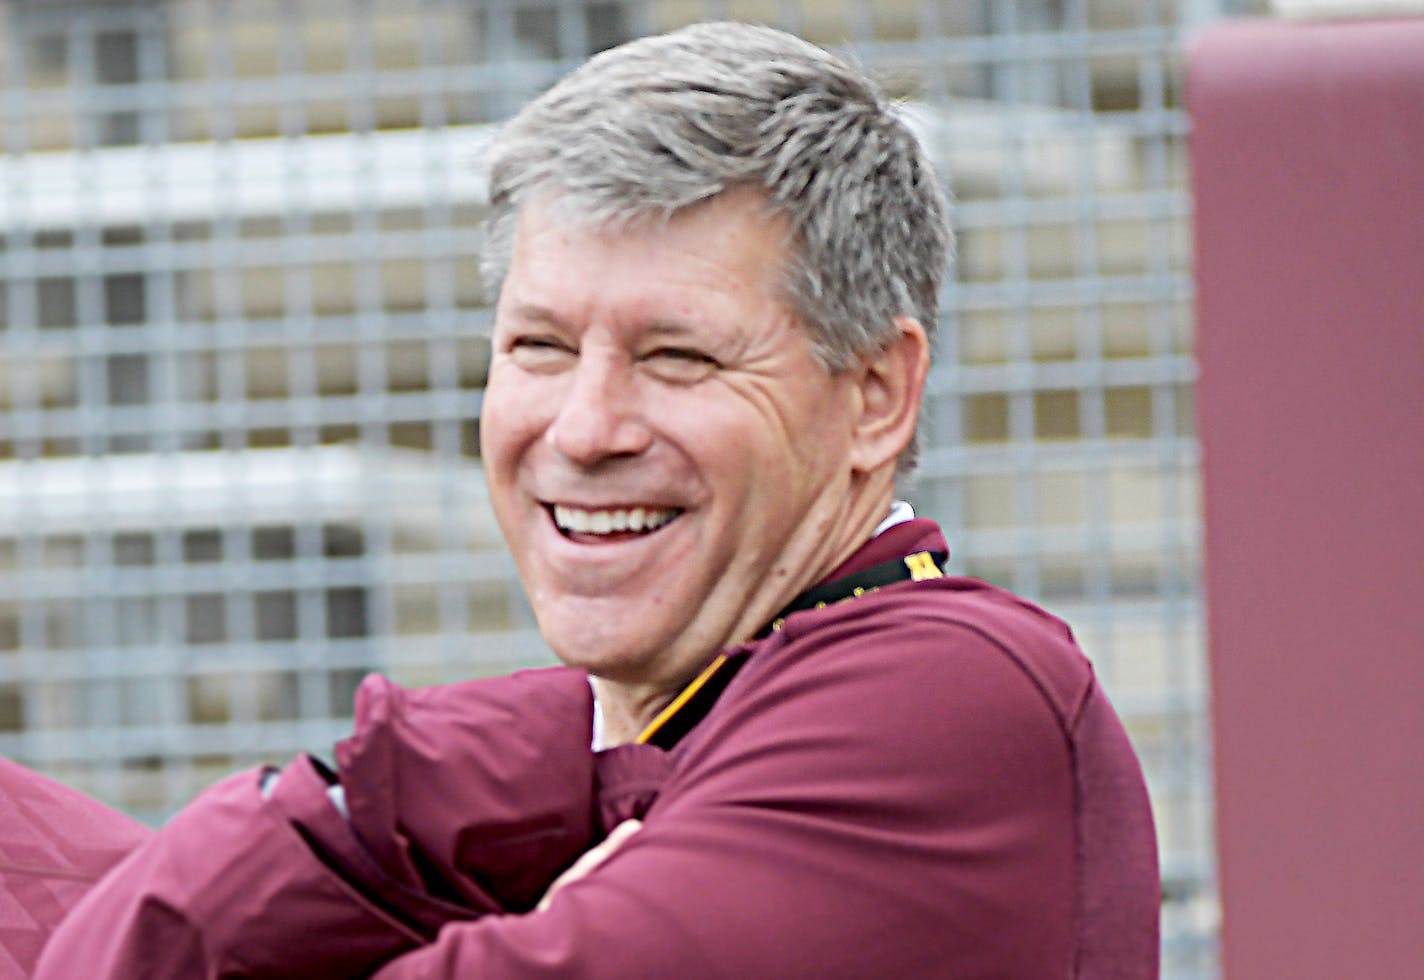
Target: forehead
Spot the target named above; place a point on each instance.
(731, 244)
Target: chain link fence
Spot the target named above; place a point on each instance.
(241, 358)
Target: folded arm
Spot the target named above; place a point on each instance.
(454, 802)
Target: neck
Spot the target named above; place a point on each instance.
(628, 708)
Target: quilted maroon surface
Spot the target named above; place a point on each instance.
(54, 843)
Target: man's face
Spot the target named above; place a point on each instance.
(666, 457)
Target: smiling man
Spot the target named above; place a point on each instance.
(670, 461)
(718, 255)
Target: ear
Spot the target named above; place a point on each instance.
(890, 386)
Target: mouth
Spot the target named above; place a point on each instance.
(610, 524)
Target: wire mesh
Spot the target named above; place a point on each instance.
(241, 325)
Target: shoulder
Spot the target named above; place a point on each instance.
(923, 694)
(918, 639)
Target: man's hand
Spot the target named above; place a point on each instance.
(591, 859)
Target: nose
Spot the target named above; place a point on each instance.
(599, 415)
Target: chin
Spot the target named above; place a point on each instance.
(617, 667)
(614, 657)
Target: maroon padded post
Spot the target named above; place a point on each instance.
(1307, 151)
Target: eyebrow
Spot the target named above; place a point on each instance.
(673, 328)
(533, 312)
(539, 314)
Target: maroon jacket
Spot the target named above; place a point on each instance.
(922, 781)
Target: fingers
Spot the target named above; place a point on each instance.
(591, 859)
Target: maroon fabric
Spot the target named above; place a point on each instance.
(1117, 852)
(459, 797)
(407, 771)
(54, 844)
(205, 897)
(629, 778)
(924, 781)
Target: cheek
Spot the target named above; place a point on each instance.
(801, 434)
(727, 438)
(509, 419)
(751, 459)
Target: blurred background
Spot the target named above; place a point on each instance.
(242, 349)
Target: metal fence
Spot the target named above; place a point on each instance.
(241, 362)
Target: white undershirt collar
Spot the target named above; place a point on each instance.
(900, 512)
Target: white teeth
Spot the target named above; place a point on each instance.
(578, 521)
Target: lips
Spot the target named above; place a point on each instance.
(611, 521)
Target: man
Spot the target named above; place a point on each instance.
(719, 254)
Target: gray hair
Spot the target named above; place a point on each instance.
(664, 122)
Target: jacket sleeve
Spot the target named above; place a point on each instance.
(460, 801)
(900, 805)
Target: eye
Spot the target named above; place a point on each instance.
(679, 365)
(539, 352)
